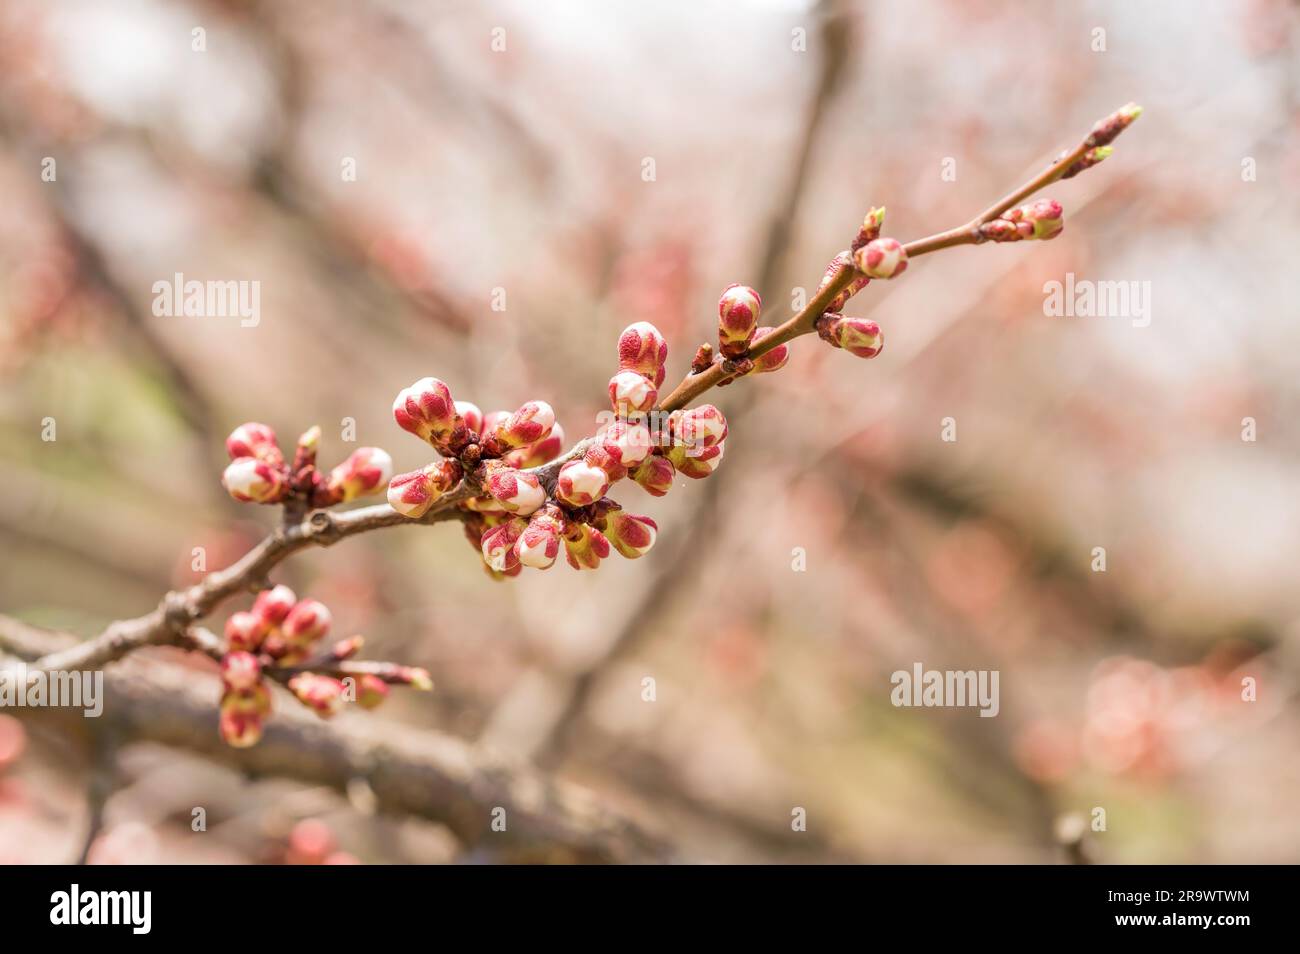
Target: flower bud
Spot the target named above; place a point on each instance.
(1105, 131)
(528, 425)
(517, 491)
(412, 676)
(539, 544)
(696, 463)
(871, 226)
(535, 455)
(240, 671)
(701, 426)
(322, 694)
(273, 605)
(242, 717)
(630, 391)
(471, 415)
(250, 480)
(347, 648)
(627, 444)
(738, 312)
(427, 411)
(859, 281)
(581, 483)
(254, 440)
(371, 690)
(630, 535)
(304, 454)
(655, 475)
(641, 348)
(858, 336)
(365, 471)
(498, 544)
(597, 456)
(1089, 159)
(307, 622)
(245, 631)
(584, 546)
(881, 258)
(1043, 219)
(773, 360)
(412, 494)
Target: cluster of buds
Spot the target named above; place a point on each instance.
(259, 473)
(519, 513)
(280, 637)
(1043, 219)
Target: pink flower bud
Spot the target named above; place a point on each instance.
(1105, 131)
(347, 648)
(641, 348)
(539, 544)
(773, 360)
(254, 440)
(627, 444)
(584, 546)
(881, 258)
(414, 493)
(597, 456)
(655, 475)
(517, 491)
(471, 415)
(871, 226)
(696, 463)
(245, 631)
(1043, 219)
(365, 471)
(243, 716)
(307, 622)
(630, 535)
(322, 694)
(273, 605)
(240, 671)
(858, 336)
(701, 426)
(630, 391)
(371, 690)
(427, 411)
(738, 312)
(528, 425)
(843, 260)
(535, 455)
(250, 480)
(581, 483)
(498, 544)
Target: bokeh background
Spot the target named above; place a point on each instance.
(521, 169)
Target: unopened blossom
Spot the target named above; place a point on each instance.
(255, 440)
(630, 535)
(859, 281)
(539, 543)
(773, 360)
(655, 475)
(528, 425)
(322, 694)
(581, 483)
(701, 426)
(366, 471)
(871, 225)
(471, 414)
(881, 258)
(250, 480)
(273, 605)
(498, 544)
(427, 410)
(628, 444)
(858, 336)
(243, 716)
(347, 648)
(694, 462)
(535, 455)
(1105, 131)
(245, 631)
(412, 494)
(371, 690)
(597, 455)
(584, 546)
(631, 391)
(517, 491)
(307, 622)
(738, 311)
(1042, 219)
(240, 671)
(641, 348)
